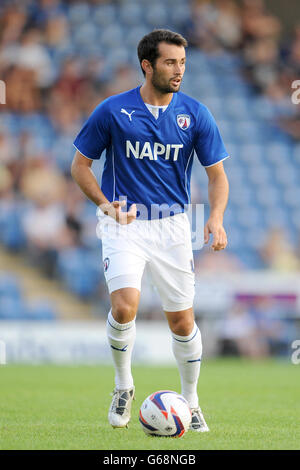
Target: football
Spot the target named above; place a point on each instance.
(165, 413)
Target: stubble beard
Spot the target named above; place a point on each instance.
(161, 86)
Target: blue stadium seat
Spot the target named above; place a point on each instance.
(285, 174)
(241, 195)
(248, 216)
(118, 57)
(250, 258)
(133, 36)
(225, 126)
(269, 197)
(85, 34)
(80, 270)
(197, 62)
(104, 15)
(236, 175)
(79, 13)
(10, 286)
(12, 308)
(41, 310)
(180, 15)
(248, 131)
(156, 15)
(12, 234)
(296, 154)
(237, 107)
(277, 152)
(291, 196)
(131, 14)
(252, 153)
(255, 236)
(110, 37)
(235, 237)
(276, 217)
(295, 218)
(262, 107)
(63, 151)
(259, 176)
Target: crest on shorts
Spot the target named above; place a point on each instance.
(106, 264)
(183, 121)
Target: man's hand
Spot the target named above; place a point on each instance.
(215, 226)
(113, 209)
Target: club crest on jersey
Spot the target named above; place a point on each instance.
(183, 121)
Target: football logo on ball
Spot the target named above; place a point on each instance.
(165, 413)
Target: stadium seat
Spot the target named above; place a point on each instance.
(104, 15)
(80, 271)
(131, 14)
(12, 308)
(79, 13)
(180, 15)
(156, 15)
(111, 37)
(41, 310)
(134, 35)
(12, 234)
(10, 286)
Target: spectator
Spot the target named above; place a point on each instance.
(44, 221)
(238, 334)
(277, 253)
(223, 262)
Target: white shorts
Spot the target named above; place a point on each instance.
(164, 245)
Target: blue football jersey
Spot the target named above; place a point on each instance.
(149, 160)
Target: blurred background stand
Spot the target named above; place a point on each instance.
(59, 59)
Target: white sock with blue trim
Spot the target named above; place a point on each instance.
(188, 352)
(121, 338)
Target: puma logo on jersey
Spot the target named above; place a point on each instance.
(128, 114)
(152, 152)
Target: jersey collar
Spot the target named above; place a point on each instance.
(149, 114)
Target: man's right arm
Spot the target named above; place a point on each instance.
(82, 173)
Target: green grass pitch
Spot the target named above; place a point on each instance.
(248, 405)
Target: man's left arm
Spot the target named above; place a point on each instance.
(218, 190)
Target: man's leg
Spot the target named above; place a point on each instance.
(172, 272)
(187, 349)
(121, 333)
(121, 338)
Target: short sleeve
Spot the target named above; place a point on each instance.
(209, 145)
(94, 137)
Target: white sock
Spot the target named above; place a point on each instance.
(121, 338)
(188, 351)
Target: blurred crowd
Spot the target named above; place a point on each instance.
(48, 95)
(258, 326)
(270, 59)
(50, 90)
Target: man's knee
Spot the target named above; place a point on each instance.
(181, 325)
(123, 313)
(124, 307)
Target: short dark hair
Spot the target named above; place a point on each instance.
(148, 45)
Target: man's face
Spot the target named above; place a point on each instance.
(169, 68)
